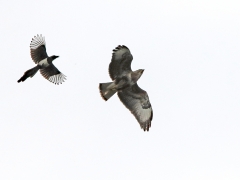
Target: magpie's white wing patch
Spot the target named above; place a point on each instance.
(52, 74)
(38, 48)
(44, 63)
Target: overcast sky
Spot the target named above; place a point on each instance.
(190, 50)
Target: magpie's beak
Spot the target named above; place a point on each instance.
(57, 56)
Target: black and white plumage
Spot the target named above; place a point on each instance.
(44, 62)
(125, 83)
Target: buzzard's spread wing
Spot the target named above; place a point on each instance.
(137, 101)
(38, 48)
(121, 62)
(52, 74)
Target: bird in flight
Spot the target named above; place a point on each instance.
(43, 61)
(125, 83)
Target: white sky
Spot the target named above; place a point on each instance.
(190, 53)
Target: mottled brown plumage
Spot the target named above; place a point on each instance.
(125, 83)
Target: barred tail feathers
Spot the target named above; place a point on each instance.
(105, 90)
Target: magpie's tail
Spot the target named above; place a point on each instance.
(29, 73)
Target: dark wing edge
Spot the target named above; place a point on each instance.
(137, 101)
(52, 74)
(121, 61)
(38, 48)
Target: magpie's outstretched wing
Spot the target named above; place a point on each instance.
(38, 49)
(52, 74)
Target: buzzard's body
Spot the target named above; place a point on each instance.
(125, 83)
(43, 61)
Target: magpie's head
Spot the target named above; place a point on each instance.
(54, 57)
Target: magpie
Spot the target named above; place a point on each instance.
(44, 62)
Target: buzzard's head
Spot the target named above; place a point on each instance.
(137, 74)
(54, 57)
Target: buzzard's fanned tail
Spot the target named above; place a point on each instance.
(29, 73)
(105, 92)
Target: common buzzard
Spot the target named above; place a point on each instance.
(43, 61)
(125, 83)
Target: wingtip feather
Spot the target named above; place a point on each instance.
(119, 47)
(148, 124)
